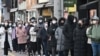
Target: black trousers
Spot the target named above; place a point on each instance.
(34, 47)
(39, 43)
(21, 47)
(15, 44)
(6, 47)
(89, 50)
(66, 52)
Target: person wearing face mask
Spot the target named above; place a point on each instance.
(44, 36)
(68, 29)
(60, 37)
(33, 39)
(94, 34)
(80, 39)
(14, 38)
(27, 27)
(21, 35)
(52, 40)
(39, 26)
(6, 38)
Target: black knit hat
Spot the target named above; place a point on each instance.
(33, 18)
(54, 18)
(61, 19)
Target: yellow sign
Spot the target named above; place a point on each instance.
(72, 9)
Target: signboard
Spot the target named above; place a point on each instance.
(69, 3)
(43, 1)
(72, 9)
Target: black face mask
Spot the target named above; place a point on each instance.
(80, 26)
(61, 24)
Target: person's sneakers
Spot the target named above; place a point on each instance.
(39, 55)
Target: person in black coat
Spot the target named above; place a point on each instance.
(44, 35)
(68, 29)
(38, 29)
(80, 39)
(52, 42)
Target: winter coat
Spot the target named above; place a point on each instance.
(53, 41)
(21, 35)
(14, 33)
(80, 41)
(94, 33)
(44, 34)
(68, 33)
(32, 34)
(2, 33)
(38, 29)
(60, 39)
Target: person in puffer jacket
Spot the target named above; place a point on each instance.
(60, 37)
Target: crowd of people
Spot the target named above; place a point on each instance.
(78, 36)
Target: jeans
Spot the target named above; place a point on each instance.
(45, 48)
(39, 43)
(61, 53)
(96, 49)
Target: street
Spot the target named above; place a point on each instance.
(12, 54)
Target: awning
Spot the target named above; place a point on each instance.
(42, 5)
(13, 10)
(38, 6)
(49, 5)
(90, 5)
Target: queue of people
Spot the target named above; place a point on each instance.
(55, 37)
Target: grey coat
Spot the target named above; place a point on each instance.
(60, 39)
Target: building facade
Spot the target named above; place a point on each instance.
(13, 10)
(6, 5)
(31, 12)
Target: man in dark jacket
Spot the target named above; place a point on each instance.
(68, 32)
(52, 40)
(44, 36)
(38, 29)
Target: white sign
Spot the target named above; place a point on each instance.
(43, 1)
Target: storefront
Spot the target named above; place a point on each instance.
(13, 14)
(90, 9)
(44, 8)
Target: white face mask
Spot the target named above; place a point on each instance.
(10, 24)
(26, 24)
(32, 20)
(94, 22)
(19, 25)
(6, 23)
(74, 20)
(46, 25)
(34, 24)
(14, 25)
(40, 20)
(2, 23)
(54, 21)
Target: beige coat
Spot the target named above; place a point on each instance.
(21, 34)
